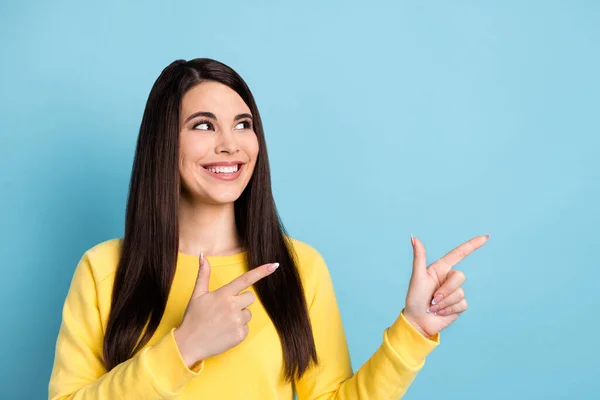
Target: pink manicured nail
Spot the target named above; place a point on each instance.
(412, 240)
(201, 258)
(437, 298)
(434, 308)
(272, 267)
(441, 312)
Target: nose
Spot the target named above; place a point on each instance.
(226, 143)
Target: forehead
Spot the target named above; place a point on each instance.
(214, 97)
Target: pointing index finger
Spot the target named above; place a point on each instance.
(444, 264)
(249, 278)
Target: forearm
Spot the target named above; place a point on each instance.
(156, 373)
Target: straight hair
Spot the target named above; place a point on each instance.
(149, 248)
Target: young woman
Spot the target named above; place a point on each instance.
(206, 296)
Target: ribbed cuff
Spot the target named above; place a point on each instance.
(167, 367)
(409, 343)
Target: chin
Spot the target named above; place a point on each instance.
(224, 197)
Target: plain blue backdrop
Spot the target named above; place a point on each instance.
(445, 119)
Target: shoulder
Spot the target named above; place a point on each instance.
(102, 259)
(91, 284)
(302, 249)
(311, 265)
(307, 257)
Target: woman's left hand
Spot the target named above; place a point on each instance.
(435, 298)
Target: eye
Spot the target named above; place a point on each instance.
(204, 124)
(247, 125)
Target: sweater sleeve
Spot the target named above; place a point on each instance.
(156, 372)
(387, 374)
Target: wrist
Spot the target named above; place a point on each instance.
(415, 325)
(185, 348)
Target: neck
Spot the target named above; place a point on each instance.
(209, 228)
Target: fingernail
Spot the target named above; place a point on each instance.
(412, 240)
(201, 258)
(428, 309)
(437, 299)
(433, 308)
(441, 312)
(487, 236)
(272, 267)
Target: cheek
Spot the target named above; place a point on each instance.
(250, 146)
(191, 149)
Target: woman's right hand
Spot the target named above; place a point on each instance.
(217, 321)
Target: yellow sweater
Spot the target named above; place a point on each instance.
(251, 370)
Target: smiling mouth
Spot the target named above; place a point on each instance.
(223, 169)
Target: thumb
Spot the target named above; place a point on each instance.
(419, 258)
(203, 277)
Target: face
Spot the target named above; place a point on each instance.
(218, 146)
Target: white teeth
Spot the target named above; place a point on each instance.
(223, 170)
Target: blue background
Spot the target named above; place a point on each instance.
(447, 119)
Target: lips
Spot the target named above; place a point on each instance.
(223, 169)
(227, 171)
(223, 163)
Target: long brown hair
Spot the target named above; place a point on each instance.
(149, 248)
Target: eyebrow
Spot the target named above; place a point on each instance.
(213, 116)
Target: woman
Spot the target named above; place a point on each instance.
(206, 297)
